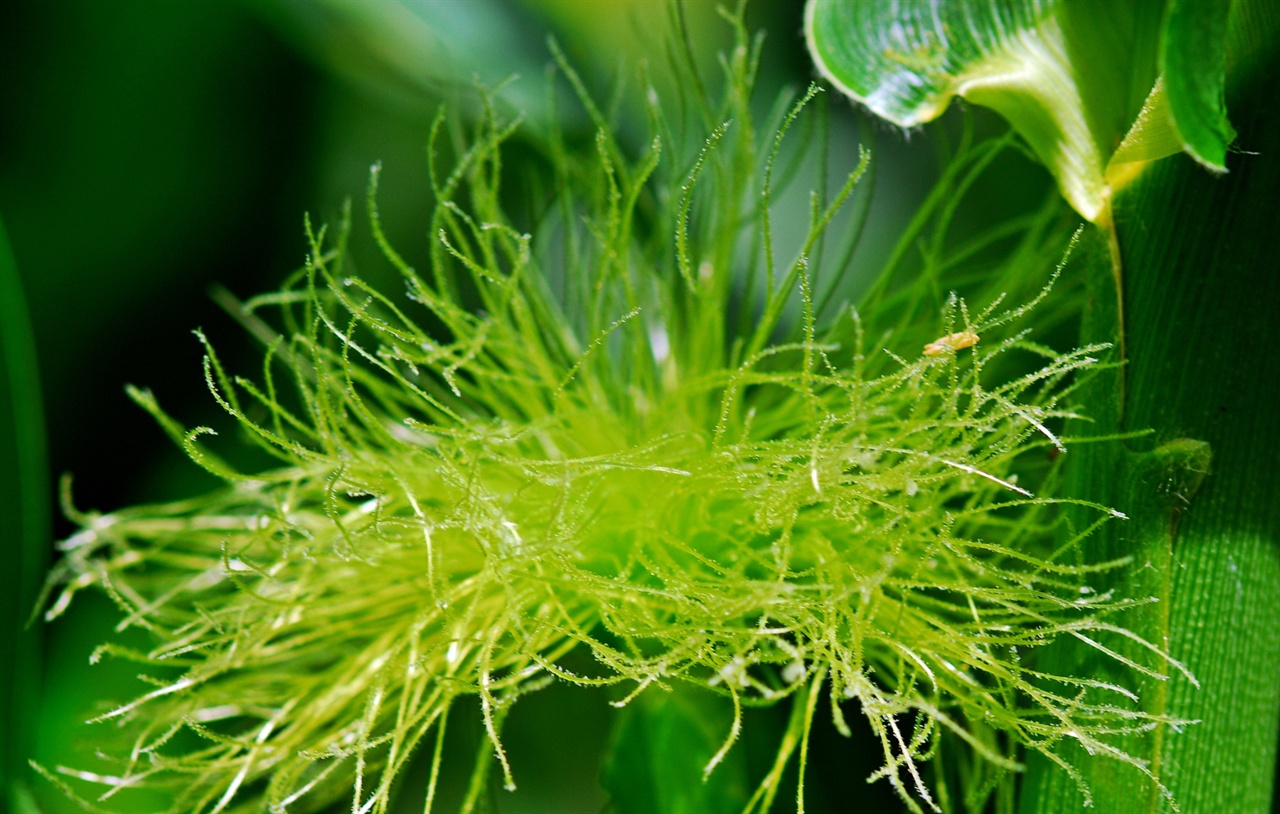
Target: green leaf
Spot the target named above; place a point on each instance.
(24, 505)
(1078, 81)
(1193, 64)
(1204, 533)
(662, 743)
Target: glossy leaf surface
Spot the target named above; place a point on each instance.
(1076, 80)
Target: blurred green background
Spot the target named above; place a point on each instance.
(152, 150)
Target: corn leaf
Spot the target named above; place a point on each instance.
(662, 743)
(1191, 310)
(1200, 295)
(25, 509)
(1090, 86)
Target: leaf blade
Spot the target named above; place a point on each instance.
(25, 505)
(661, 744)
(1193, 64)
(907, 61)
